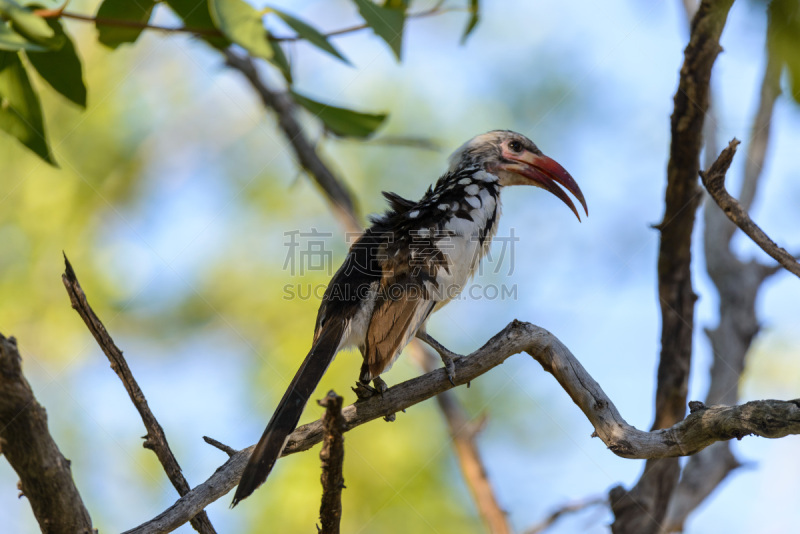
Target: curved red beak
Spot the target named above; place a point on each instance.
(546, 173)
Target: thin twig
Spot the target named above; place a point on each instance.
(642, 509)
(715, 184)
(230, 451)
(155, 439)
(332, 457)
(123, 23)
(421, 143)
(435, 10)
(704, 426)
(44, 474)
(207, 32)
(566, 509)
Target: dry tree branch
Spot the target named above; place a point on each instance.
(343, 204)
(230, 451)
(332, 456)
(704, 425)
(715, 184)
(45, 475)
(155, 439)
(738, 284)
(566, 509)
(681, 200)
(642, 509)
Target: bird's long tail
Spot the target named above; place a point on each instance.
(287, 414)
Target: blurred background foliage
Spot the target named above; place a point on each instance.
(175, 191)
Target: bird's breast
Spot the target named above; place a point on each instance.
(466, 242)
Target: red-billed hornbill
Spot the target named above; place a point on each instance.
(411, 261)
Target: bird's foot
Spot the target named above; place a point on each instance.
(364, 391)
(450, 365)
(380, 385)
(448, 356)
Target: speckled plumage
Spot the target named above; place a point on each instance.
(411, 261)
(419, 256)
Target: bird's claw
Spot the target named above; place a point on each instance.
(450, 367)
(364, 391)
(448, 357)
(380, 385)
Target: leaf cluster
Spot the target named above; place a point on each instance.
(32, 37)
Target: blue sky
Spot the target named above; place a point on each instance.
(610, 70)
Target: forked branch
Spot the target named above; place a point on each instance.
(714, 182)
(155, 439)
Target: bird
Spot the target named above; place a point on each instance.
(411, 261)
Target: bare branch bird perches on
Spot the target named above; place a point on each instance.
(704, 426)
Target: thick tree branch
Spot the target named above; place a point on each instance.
(681, 200)
(155, 439)
(715, 184)
(641, 510)
(704, 426)
(738, 284)
(44, 473)
(332, 456)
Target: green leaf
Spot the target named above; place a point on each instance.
(279, 60)
(340, 121)
(20, 110)
(11, 40)
(242, 24)
(122, 10)
(783, 31)
(195, 15)
(473, 20)
(30, 26)
(386, 22)
(309, 33)
(61, 68)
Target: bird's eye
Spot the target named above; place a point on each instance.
(515, 146)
